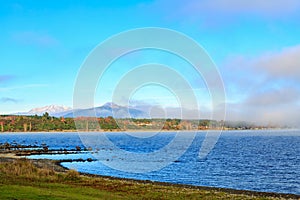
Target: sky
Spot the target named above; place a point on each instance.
(254, 44)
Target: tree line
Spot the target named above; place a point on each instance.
(16, 123)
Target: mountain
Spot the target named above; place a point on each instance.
(53, 110)
(114, 110)
(109, 109)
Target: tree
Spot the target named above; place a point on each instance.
(46, 115)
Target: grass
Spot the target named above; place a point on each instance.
(20, 179)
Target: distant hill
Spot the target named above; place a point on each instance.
(109, 109)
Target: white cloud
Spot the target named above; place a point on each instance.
(8, 99)
(283, 64)
(5, 89)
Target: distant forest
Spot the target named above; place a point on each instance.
(15, 123)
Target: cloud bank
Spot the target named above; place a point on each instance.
(270, 88)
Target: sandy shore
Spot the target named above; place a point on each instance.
(8, 155)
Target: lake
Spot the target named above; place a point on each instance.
(264, 160)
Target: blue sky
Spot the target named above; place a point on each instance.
(255, 45)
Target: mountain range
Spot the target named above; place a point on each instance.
(108, 109)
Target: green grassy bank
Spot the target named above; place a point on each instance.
(21, 179)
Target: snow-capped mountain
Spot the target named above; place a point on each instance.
(53, 110)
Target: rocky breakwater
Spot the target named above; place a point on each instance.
(12, 151)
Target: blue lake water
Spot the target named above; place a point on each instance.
(266, 160)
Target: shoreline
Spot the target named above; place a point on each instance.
(207, 188)
(150, 131)
(57, 167)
